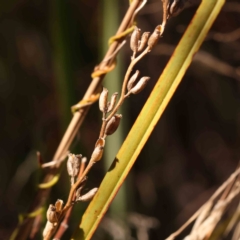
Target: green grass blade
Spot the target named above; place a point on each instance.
(149, 116)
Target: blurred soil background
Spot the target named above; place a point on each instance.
(48, 50)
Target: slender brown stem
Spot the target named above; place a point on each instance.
(165, 12)
(76, 121)
(123, 92)
(76, 185)
(64, 224)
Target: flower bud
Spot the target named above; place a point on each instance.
(88, 196)
(140, 85)
(98, 151)
(103, 100)
(113, 124)
(134, 39)
(132, 80)
(143, 41)
(154, 37)
(112, 102)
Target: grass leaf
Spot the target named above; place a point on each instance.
(149, 116)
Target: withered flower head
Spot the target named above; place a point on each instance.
(73, 164)
(52, 214)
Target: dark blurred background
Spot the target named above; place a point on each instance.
(48, 50)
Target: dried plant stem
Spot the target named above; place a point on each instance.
(165, 12)
(67, 210)
(76, 185)
(97, 153)
(123, 92)
(95, 84)
(64, 224)
(77, 119)
(212, 198)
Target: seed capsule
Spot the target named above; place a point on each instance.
(176, 7)
(112, 102)
(97, 154)
(134, 39)
(103, 99)
(140, 85)
(132, 80)
(154, 37)
(98, 150)
(100, 142)
(59, 205)
(88, 196)
(73, 165)
(143, 41)
(113, 124)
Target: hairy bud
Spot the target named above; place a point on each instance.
(112, 102)
(143, 41)
(88, 196)
(140, 85)
(153, 39)
(132, 80)
(113, 124)
(134, 39)
(103, 99)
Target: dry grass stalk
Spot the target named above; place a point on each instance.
(110, 123)
(209, 215)
(56, 213)
(32, 224)
(235, 218)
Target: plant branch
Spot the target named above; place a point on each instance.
(124, 87)
(78, 117)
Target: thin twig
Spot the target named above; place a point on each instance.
(76, 122)
(99, 146)
(64, 224)
(123, 92)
